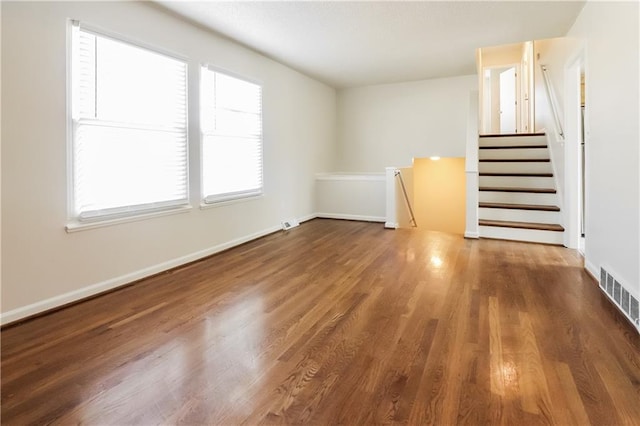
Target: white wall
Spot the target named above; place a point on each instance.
(389, 125)
(42, 265)
(499, 56)
(555, 54)
(353, 196)
(613, 178)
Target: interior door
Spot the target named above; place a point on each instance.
(508, 101)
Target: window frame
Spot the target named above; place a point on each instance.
(104, 217)
(208, 201)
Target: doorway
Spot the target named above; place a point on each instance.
(575, 154)
(440, 194)
(508, 104)
(500, 89)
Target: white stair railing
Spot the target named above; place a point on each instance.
(553, 101)
(398, 174)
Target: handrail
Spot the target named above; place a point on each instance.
(398, 174)
(552, 100)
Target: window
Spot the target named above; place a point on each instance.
(129, 128)
(231, 122)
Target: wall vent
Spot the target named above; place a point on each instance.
(288, 224)
(609, 285)
(617, 292)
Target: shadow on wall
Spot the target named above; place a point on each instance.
(439, 194)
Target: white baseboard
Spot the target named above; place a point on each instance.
(391, 225)
(94, 289)
(101, 287)
(307, 217)
(351, 217)
(592, 270)
(474, 235)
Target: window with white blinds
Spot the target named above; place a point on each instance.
(231, 123)
(129, 125)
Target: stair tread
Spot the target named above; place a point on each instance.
(502, 135)
(515, 160)
(516, 174)
(514, 147)
(521, 225)
(519, 206)
(518, 189)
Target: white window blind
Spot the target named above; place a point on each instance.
(231, 122)
(129, 114)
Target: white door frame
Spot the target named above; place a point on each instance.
(483, 89)
(572, 151)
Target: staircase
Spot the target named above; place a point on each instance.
(518, 199)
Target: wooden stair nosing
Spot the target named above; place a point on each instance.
(537, 207)
(515, 174)
(506, 135)
(514, 147)
(517, 189)
(514, 160)
(522, 225)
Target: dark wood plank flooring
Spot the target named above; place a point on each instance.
(336, 322)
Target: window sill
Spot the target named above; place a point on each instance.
(76, 226)
(205, 206)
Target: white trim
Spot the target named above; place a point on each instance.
(113, 215)
(351, 217)
(592, 270)
(75, 226)
(94, 289)
(351, 176)
(554, 169)
(391, 211)
(229, 196)
(472, 199)
(205, 206)
(307, 218)
(120, 37)
(230, 73)
(69, 166)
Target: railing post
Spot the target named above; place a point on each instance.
(553, 101)
(412, 218)
(471, 169)
(391, 221)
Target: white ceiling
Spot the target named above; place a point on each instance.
(346, 44)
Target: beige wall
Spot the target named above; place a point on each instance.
(42, 265)
(612, 51)
(390, 124)
(497, 56)
(439, 194)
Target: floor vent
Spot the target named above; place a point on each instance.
(625, 301)
(288, 224)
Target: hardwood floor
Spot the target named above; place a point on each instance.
(336, 322)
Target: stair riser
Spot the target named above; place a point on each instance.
(515, 215)
(515, 234)
(518, 153)
(513, 141)
(515, 167)
(517, 181)
(518, 198)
